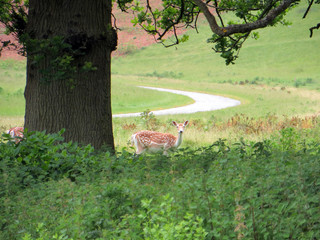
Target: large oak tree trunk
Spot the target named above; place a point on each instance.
(83, 107)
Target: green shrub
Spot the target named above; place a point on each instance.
(40, 157)
(241, 190)
(165, 74)
(43, 235)
(160, 222)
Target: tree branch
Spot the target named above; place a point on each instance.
(315, 27)
(243, 28)
(174, 23)
(307, 11)
(218, 13)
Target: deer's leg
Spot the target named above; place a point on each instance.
(136, 142)
(140, 150)
(165, 150)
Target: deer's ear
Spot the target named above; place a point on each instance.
(174, 123)
(186, 123)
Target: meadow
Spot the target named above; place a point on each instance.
(246, 172)
(282, 55)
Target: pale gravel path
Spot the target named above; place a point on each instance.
(203, 103)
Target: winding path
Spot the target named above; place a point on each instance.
(203, 103)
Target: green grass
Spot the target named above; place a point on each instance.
(256, 99)
(13, 75)
(12, 82)
(280, 56)
(126, 96)
(256, 102)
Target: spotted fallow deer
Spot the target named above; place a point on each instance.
(17, 133)
(156, 141)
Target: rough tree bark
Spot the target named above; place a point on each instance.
(85, 110)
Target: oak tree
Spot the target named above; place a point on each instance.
(68, 45)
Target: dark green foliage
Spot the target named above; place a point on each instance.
(149, 120)
(13, 14)
(40, 157)
(227, 47)
(62, 53)
(242, 190)
(165, 74)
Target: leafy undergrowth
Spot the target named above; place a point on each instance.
(240, 190)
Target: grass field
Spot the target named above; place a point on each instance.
(258, 101)
(13, 81)
(283, 55)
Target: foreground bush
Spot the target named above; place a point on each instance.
(242, 190)
(40, 157)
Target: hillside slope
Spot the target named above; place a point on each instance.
(282, 55)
